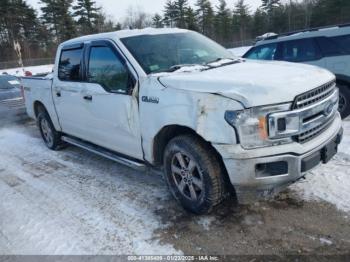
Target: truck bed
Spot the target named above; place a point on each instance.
(37, 89)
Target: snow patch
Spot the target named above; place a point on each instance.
(35, 70)
(325, 241)
(330, 182)
(206, 222)
(240, 51)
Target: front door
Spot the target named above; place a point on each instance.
(112, 109)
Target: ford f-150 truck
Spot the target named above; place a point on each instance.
(172, 99)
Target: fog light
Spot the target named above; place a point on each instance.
(271, 169)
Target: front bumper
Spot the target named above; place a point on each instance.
(263, 172)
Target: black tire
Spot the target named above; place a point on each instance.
(51, 137)
(206, 179)
(344, 100)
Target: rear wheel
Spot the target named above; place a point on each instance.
(344, 100)
(194, 174)
(51, 137)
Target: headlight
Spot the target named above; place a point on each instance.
(252, 126)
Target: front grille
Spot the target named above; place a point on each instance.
(314, 96)
(314, 132)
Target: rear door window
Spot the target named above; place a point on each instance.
(343, 42)
(263, 52)
(301, 50)
(69, 68)
(329, 47)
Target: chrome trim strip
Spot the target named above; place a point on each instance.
(325, 93)
(304, 99)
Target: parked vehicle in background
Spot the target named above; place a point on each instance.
(9, 87)
(327, 47)
(175, 100)
(11, 100)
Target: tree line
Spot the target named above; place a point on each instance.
(234, 25)
(59, 20)
(38, 36)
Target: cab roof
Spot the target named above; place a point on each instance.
(125, 33)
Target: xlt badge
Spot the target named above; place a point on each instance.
(150, 99)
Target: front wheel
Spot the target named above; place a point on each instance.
(344, 100)
(194, 174)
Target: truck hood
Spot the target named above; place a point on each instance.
(253, 83)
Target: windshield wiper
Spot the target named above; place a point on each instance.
(177, 67)
(233, 61)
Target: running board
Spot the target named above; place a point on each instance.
(104, 153)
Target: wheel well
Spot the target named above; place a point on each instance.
(164, 136)
(38, 106)
(169, 132)
(343, 82)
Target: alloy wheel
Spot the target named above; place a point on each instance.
(47, 132)
(187, 176)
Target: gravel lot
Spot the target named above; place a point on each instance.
(73, 202)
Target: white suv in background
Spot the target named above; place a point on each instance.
(325, 47)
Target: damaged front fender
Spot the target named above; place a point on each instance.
(202, 112)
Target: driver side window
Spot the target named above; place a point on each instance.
(263, 52)
(106, 69)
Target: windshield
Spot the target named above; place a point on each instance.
(159, 53)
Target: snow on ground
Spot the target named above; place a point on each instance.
(331, 182)
(239, 51)
(73, 202)
(19, 71)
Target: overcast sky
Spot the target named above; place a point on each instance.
(117, 8)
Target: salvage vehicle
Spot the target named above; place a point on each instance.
(174, 100)
(327, 47)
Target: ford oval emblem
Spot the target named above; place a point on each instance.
(329, 109)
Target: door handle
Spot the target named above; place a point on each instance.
(58, 93)
(88, 97)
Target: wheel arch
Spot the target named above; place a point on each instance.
(167, 133)
(37, 105)
(342, 79)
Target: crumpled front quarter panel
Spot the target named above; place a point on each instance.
(202, 112)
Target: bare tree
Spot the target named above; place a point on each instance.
(136, 18)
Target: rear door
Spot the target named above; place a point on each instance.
(109, 101)
(301, 51)
(68, 92)
(336, 51)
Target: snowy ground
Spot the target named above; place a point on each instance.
(73, 202)
(331, 182)
(66, 203)
(43, 69)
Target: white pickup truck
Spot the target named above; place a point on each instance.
(174, 100)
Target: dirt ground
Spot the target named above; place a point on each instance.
(73, 202)
(286, 225)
